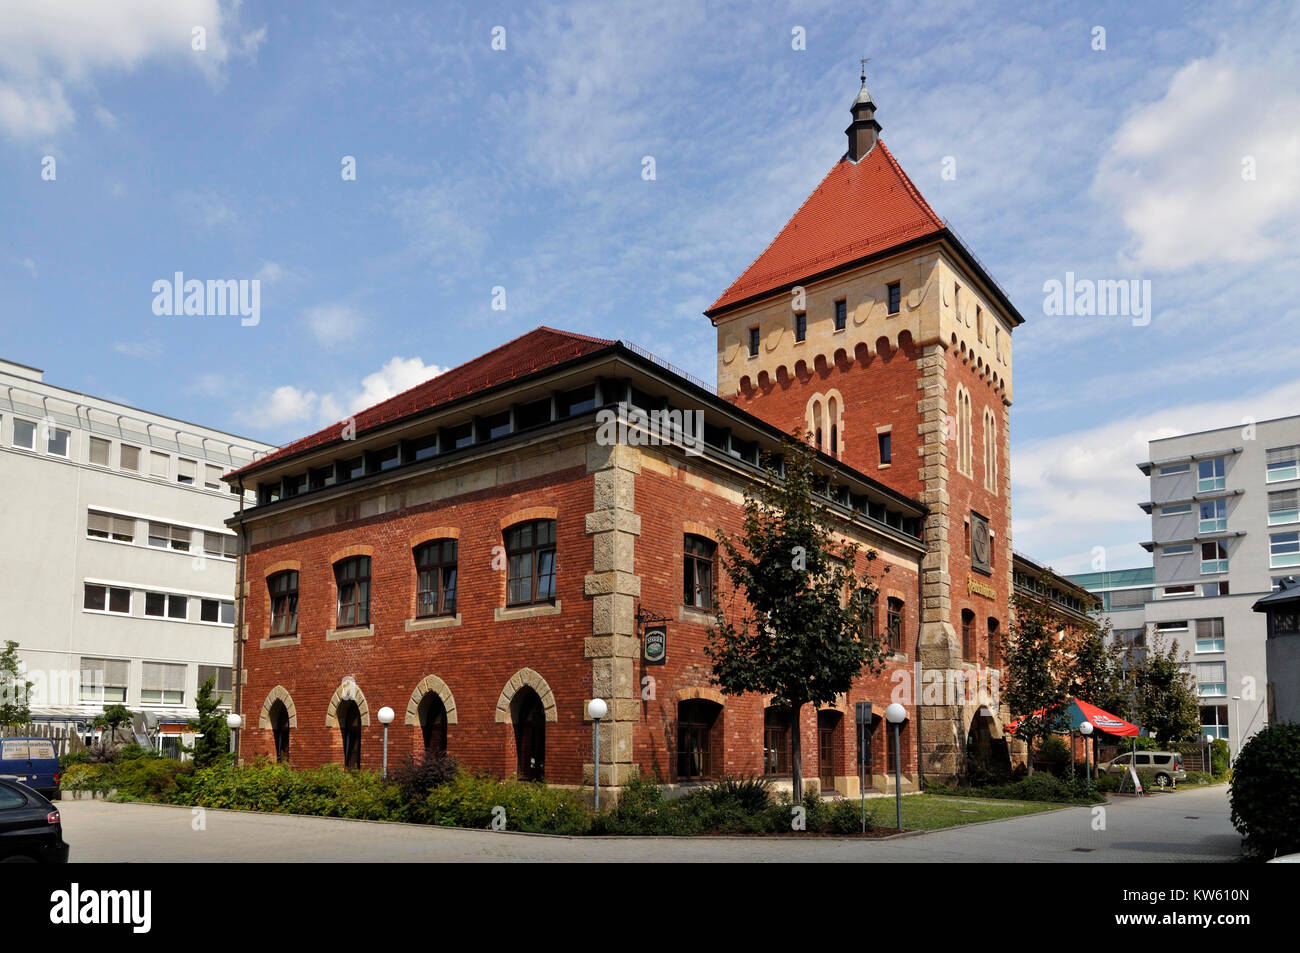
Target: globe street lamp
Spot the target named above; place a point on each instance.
(597, 709)
(386, 718)
(1085, 729)
(234, 723)
(896, 714)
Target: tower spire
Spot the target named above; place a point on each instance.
(864, 131)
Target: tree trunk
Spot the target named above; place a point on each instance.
(1029, 754)
(796, 758)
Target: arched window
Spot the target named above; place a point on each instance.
(995, 649)
(530, 563)
(352, 577)
(435, 566)
(963, 434)
(894, 625)
(283, 587)
(990, 451)
(776, 740)
(279, 716)
(968, 635)
(697, 571)
(349, 719)
(433, 724)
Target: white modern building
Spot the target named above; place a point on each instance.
(117, 573)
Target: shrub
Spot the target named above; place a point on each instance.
(753, 793)
(1265, 791)
(1106, 783)
(470, 801)
(845, 817)
(330, 791)
(1220, 756)
(1053, 755)
(416, 778)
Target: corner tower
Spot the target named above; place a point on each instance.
(868, 325)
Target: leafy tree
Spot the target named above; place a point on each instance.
(14, 689)
(214, 743)
(1166, 697)
(1037, 673)
(806, 628)
(1097, 670)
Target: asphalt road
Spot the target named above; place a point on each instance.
(1189, 825)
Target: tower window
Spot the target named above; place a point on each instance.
(886, 451)
(800, 326)
(841, 315)
(895, 290)
(753, 342)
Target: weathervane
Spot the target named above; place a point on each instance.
(865, 60)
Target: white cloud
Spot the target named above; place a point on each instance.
(29, 264)
(1080, 490)
(397, 374)
(206, 207)
(46, 45)
(287, 405)
(138, 349)
(1174, 170)
(270, 272)
(106, 118)
(334, 324)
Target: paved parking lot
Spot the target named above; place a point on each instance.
(1190, 825)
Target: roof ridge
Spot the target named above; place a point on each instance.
(911, 186)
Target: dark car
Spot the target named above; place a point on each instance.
(33, 761)
(31, 830)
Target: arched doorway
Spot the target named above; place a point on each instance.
(349, 719)
(279, 717)
(697, 720)
(529, 719)
(433, 724)
(829, 723)
(986, 748)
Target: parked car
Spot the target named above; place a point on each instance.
(1161, 768)
(33, 761)
(31, 830)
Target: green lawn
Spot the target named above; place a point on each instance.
(928, 812)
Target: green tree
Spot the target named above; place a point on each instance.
(14, 689)
(214, 741)
(1037, 673)
(806, 627)
(1097, 670)
(1166, 698)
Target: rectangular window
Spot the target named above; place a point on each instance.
(697, 572)
(283, 589)
(56, 442)
(436, 578)
(104, 681)
(1214, 558)
(841, 315)
(162, 684)
(1176, 468)
(1214, 721)
(158, 465)
(1209, 635)
(1178, 509)
(98, 451)
(1214, 588)
(168, 605)
(1283, 550)
(1211, 679)
(1284, 507)
(1172, 629)
(530, 563)
(1179, 550)
(128, 457)
(1283, 463)
(217, 610)
(107, 526)
(886, 450)
(24, 434)
(1214, 516)
(107, 599)
(753, 342)
(1209, 475)
(186, 471)
(1174, 592)
(800, 326)
(895, 294)
(223, 682)
(894, 625)
(220, 545)
(211, 477)
(1128, 598)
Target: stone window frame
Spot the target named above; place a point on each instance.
(356, 631)
(418, 623)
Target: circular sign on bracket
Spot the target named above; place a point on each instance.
(655, 645)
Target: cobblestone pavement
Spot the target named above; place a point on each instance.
(1189, 825)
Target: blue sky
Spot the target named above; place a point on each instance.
(521, 168)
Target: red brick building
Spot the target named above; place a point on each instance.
(475, 554)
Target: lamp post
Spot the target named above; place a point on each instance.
(234, 723)
(1234, 730)
(895, 714)
(386, 719)
(597, 709)
(1085, 729)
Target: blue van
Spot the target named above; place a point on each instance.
(32, 761)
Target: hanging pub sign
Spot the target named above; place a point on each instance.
(655, 644)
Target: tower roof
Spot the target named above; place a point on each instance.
(859, 210)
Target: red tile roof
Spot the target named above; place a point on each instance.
(858, 210)
(537, 350)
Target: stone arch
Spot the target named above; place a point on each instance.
(277, 694)
(707, 694)
(348, 690)
(526, 676)
(430, 685)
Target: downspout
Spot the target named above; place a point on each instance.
(920, 606)
(239, 618)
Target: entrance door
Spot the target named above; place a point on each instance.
(530, 735)
(349, 718)
(827, 724)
